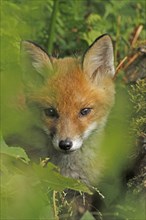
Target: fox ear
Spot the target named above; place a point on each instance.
(35, 59)
(98, 61)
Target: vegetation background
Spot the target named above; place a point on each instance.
(64, 28)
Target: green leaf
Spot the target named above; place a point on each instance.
(16, 152)
(53, 179)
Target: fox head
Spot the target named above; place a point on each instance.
(73, 96)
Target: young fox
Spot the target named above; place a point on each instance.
(73, 98)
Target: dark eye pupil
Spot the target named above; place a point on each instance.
(51, 112)
(85, 111)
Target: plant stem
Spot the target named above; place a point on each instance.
(54, 205)
(52, 25)
(117, 38)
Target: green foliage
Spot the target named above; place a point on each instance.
(138, 98)
(30, 187)
(75, 23)
(27, 190)
(15, 152)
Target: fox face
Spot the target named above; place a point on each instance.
(73, 96)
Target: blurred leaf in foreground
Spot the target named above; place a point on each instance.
(16, 152)
(53, 179)
(27, 188)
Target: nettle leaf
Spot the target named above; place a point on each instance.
(15, 152)
(51, 177)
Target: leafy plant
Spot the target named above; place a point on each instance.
(29, 190)
(30, 187)
(138, 98)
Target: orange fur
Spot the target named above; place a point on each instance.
(70, 90)
(68, 101)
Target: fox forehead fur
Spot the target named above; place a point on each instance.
(74, 97)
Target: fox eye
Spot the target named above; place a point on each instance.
(85, 111)
(51, 112)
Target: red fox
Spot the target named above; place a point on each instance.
(72, 97)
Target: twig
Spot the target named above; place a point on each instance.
(119, 66)
(137, 33)
(131, 60)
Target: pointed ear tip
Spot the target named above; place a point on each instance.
(103, 38)
(24, 43)
(106, 36)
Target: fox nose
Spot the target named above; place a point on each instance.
(65, 144)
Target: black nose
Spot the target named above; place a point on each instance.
(65, 144)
